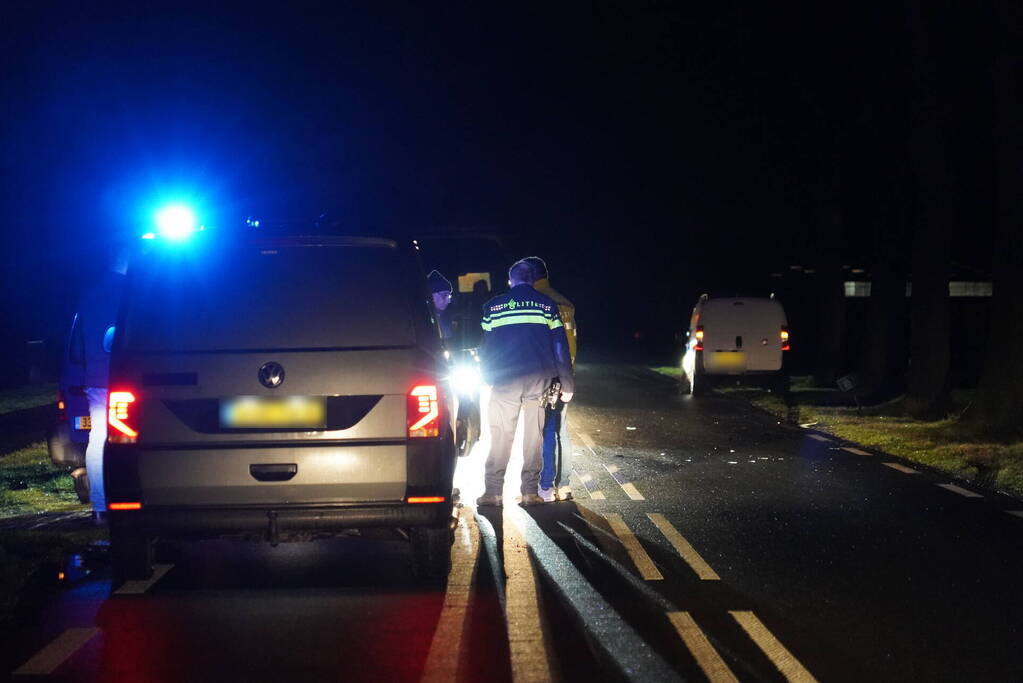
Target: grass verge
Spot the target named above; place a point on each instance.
(20, 398)
(29, 483)
(946, 445)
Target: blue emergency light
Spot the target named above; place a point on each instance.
(175, 222)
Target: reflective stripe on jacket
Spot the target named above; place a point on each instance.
(523, 336)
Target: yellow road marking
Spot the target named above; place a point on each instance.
(442, 660)
(598, 495)
(595, 495)
(788, 665)
(900, 468)
(961, 491)
(684, 548)
(855, 451)
(57, 652)
(714, 668)
(526, 640)
(639, 556)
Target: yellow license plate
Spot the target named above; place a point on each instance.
(257, 412)
(728, 361)
(83, 423)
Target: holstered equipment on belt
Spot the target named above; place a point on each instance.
(549, 398)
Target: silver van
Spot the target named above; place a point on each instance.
(736, 340)
(278, 387)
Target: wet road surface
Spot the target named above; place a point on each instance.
(705, 542)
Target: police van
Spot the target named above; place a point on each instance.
(278, 387)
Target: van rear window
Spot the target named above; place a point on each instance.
(256, 298)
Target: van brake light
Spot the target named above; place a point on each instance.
(699, 338)
(423, 411)
(785, 339)
(119, 417)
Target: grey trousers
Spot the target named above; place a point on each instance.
(506, 401)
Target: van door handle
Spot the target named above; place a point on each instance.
(275, 472)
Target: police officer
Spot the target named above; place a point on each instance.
(557, 445)
(440, 291)
(524, 348)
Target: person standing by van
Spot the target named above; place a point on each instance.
(440, 293)
(524, 348)
(557, 444)
(97, 316)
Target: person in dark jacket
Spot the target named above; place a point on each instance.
(440, 291)
(524, 349)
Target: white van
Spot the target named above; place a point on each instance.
(736, 339)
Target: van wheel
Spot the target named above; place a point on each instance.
(701, 384)
(131, 555)
(468, 431)
(780, 385)
(431, 552)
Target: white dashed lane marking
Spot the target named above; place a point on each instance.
(854, 451)
(818, 437)
(960, 490)
(585, 438)
(57, 652)
(900, 468)
(684, 548)
(591, 487)
(140, 587)
(714, 668)
(527, 639)
(788, 665)
(647, 569)
(628, 487)
(1015, 513)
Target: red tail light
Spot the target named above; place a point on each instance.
(785, 339)
(425, 499)
(119, 417)
(61, 407)
(699, 338)
(423, 411)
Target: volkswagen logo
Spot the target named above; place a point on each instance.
(271, 375)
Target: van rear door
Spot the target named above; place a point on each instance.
(742, 335)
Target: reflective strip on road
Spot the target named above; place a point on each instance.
(647, 569)
(855, 451)
(714, 668)
(818, 437)
(684, 548)
(787, 664)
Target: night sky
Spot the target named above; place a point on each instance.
(649, 150)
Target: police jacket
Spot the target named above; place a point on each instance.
(523, 336)
(566, 309)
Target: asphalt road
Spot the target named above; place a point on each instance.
(706, 541)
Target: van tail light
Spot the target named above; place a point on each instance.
(120, 417)
(135, 505)
(785, 339)
(699, 338)
(61, 407)
(423, 411)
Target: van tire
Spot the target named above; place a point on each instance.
(131, 555)
(701, 384)
(431, 552)
(468, 430)
(780, 385)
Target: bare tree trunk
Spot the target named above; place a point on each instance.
(927, 395)
(878, 364)
(998, 406)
